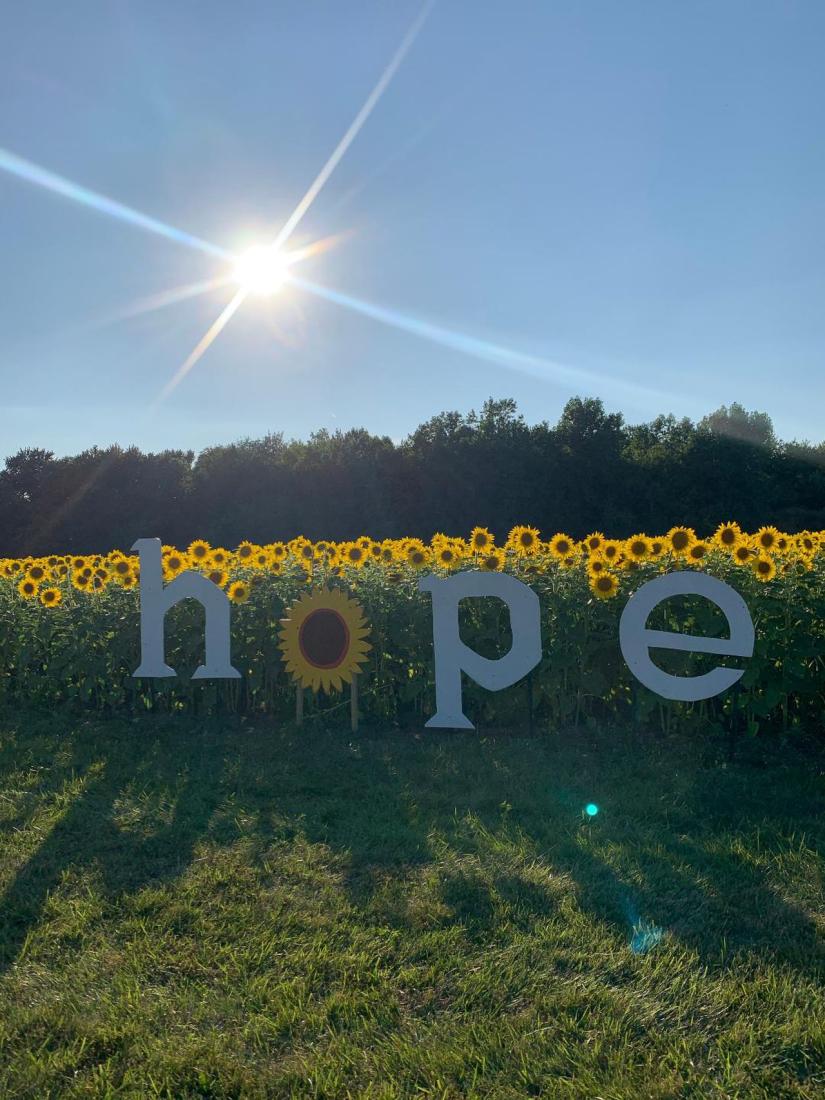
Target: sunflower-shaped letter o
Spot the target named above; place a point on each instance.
(323, 639)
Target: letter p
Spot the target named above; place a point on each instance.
(452, 656)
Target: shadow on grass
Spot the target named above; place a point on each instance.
(84, 784)
(672, 849)
(661, 849)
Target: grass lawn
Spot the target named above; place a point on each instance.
(230, 910)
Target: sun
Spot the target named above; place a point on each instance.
(261, 270)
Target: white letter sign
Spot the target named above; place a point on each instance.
(636, 640)
(452, 656)
(155, 601)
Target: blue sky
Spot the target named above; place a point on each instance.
(629, 197)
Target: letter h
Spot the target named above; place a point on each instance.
(156, 600)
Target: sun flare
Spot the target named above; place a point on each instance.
(261, 270)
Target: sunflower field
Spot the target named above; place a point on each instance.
(69, 628)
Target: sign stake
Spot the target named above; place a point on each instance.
(353, 703)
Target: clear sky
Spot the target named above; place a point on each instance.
(629, 197)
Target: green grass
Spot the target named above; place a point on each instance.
(230, 910)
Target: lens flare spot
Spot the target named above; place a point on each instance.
(261, 270)
(646, 935)
(591, 809)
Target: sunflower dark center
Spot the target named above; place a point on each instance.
(324, 638)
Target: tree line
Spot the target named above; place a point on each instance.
(590, 470)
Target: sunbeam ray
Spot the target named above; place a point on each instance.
(315, 187)
(202, 346)
(315, 248)
(546, 369)
(165, 298)
(59, 185)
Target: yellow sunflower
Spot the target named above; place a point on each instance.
(597, 565)
(605, 586)
(807, 543)
(51, 597)
(697, 552)
(593, 542)
(448, 555)
(680, 539)
(765, 539)
(492, 561)
(727, 535)
(637, 547)
(480, 539)
(199, 550)
(306, 553)
(417, 554)
(261, 559)
(560, 546)
(354, 555)
(239, 592)
(763, 567)
(743, 553)
(27, 588)
(524, 540)
(173, 564)
(323, 639)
